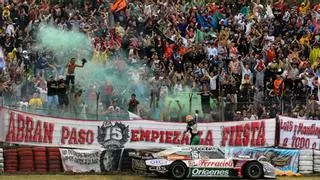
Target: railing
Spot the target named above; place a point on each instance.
(122, 115)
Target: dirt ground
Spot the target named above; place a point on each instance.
(106, 177)
(70, 177)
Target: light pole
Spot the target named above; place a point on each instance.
(97, 110)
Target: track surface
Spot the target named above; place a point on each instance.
(108, 177)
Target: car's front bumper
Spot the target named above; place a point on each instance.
(140, 165)
(268, 170)
(158, 169)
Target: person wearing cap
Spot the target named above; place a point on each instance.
(238, 116)
(192, 129)
(62, 93)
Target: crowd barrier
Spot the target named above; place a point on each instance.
(57, 160)
(32, 159)
(70, 145)
(35, 130)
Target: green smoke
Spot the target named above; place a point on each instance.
(69, 43)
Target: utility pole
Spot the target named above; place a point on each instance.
(190, 102)
(97, 110)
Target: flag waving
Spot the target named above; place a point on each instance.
(118, 5)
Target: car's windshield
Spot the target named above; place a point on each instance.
(166, 152)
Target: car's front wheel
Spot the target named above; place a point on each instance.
(178, 170)
(253, 170)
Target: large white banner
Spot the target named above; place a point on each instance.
(80, 161)
(29, 129)
(299, 133)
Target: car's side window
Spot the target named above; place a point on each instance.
(195, 155)
(210, 155)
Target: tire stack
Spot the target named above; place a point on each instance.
(26, 163)
(10, 157)
(40, 160)
(316, 161)
(1, 161)
(54, 160)
(306, 162)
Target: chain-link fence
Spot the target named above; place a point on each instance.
(175, 107)
(79, 112)
(238, 107)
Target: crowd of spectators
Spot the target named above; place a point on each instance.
(256, 58)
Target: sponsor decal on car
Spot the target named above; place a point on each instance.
(204, 148)
(158, 168)
(157, 162)
(178, 157)
(214, 163)
(190, 163)
(208, 172)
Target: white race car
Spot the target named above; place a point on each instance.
(204, 162)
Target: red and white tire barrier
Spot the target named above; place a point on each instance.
(26, 162)
(54, 160)
(10, 160)
(40, 159)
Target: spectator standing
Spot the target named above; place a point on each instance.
(62, 93)
(71, 70)
(155, 87)
(205, 101)
(52, 98)
(133, 104)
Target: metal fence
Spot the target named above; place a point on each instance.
(122, 115)
(175, 107)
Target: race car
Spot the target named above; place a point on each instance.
(205, 162)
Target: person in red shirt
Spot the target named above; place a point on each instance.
(133, 104)
(278, 86)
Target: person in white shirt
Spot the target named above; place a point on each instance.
(155, 86)
(211, 51)
(113, 108)
(164, 91)
(245, 70)
(269, 13)
(178, 87)
(10, 29)
(213, 84)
